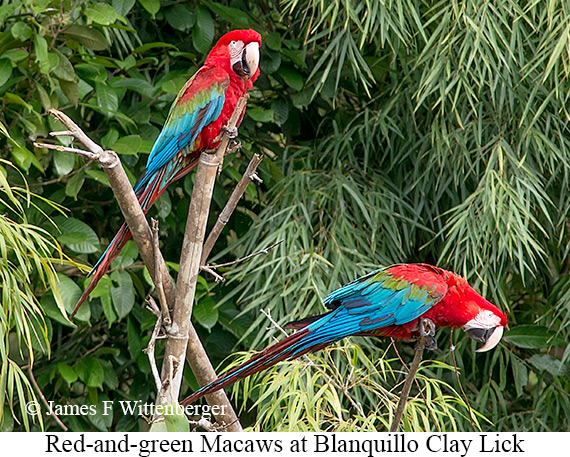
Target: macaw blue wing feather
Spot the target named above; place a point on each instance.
(377, 300)
(199, 103)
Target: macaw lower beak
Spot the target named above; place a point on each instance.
(490, 337)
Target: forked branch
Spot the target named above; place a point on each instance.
(152, 257)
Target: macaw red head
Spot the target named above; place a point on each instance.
(479, 318)
(238, 52)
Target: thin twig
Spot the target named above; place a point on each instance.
(210, 268)
(420, 389)
(158, 281)
(107, 159)
(149, 350)
(247, 257)
(94, 348)
(41, 394)
(57, 147)
(61, 178)
(406, 390)
(427, 329)
(452, 350)
(74, 131)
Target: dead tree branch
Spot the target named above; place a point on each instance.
(212, 268)
(465, 398)
(427, 331)
(121, 186)
(248, 176)
(165, 313)
(142, 236)
(149, 350)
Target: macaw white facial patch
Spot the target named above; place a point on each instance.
(484, 319)
(235, 48)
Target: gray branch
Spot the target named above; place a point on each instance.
(192, 244)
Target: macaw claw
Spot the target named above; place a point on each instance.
(233, 146)
(231, 133)
(427, 339)
(430, 343)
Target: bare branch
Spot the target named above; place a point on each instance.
(427, 330)
(435, 422)
(452, 350)
(165, 314)
(142, 235)
(74, 131)
(176, 348)
(149, 350)
(210, 268)
(217, 277)
(80, 152)
(230, 207)
(122, 189)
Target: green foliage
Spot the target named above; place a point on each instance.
(392, 131)
(342, 389)
(26, 268)
(459, 157)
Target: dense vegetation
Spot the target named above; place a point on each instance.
(393, 132)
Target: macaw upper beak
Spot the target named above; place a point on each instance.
(247, 66)
(490, 337)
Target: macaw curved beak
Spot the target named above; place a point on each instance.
(247, 66)
(490, 337)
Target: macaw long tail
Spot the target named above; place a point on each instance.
(147, 189)
(147, 192)
(102, 265)
(290, 348)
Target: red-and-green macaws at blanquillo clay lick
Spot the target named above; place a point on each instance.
(201, 110)
(387, 302)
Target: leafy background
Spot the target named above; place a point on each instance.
(392, 131)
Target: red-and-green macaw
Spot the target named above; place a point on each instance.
(387, 302)
(202, 108)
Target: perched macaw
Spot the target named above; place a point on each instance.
(387, 302)
(201, 110)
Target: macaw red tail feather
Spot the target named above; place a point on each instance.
(147, 190)
(102, 265)
(284, 349)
